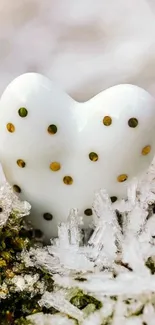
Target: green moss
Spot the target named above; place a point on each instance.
(108, 320)
(127, 301)
(138, 312)
(114, 298)
(16, 306)
(150, 263)
(22, 321)
(80, 279)
(81, 300)
(89, 309)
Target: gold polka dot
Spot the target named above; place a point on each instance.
(113, 199)
(55, 166)
(16, 188)
(38, 233)
(107, 120)
(47, 216)
(23, 112)
(146, 150)
(93, 156)
(133, 122)
(10, 127)
(122, 178)
(52, 129)
(88, 212)
(68, 180)
(21, 163)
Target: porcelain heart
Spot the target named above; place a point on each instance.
(56, 152)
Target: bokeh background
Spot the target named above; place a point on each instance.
(85, 45)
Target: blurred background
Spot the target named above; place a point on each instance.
(85, 45)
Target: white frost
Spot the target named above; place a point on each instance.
(111, 263)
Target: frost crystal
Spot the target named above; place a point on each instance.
(9, 203)
(106, 277)
(26, 282)
(58, 301)
(46, 319)
(114, 266)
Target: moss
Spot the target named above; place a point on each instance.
(16, 306)
(114, 298)
(80, 279)
(108, 320)
(127, 301)
(90, 308)
(82, 300)
(138, 312)
(23, 321)
(119, 218)
(47, 279)
(2, 263)
(150, 263)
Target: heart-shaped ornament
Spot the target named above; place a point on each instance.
(56, 152)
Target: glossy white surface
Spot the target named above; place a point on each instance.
(80, 130)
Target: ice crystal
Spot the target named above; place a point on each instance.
(59, 302)
(115, 266)
(46, 319)
(26, 283)
(102, 275)
(10, 203)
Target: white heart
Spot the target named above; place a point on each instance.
(80, 130)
